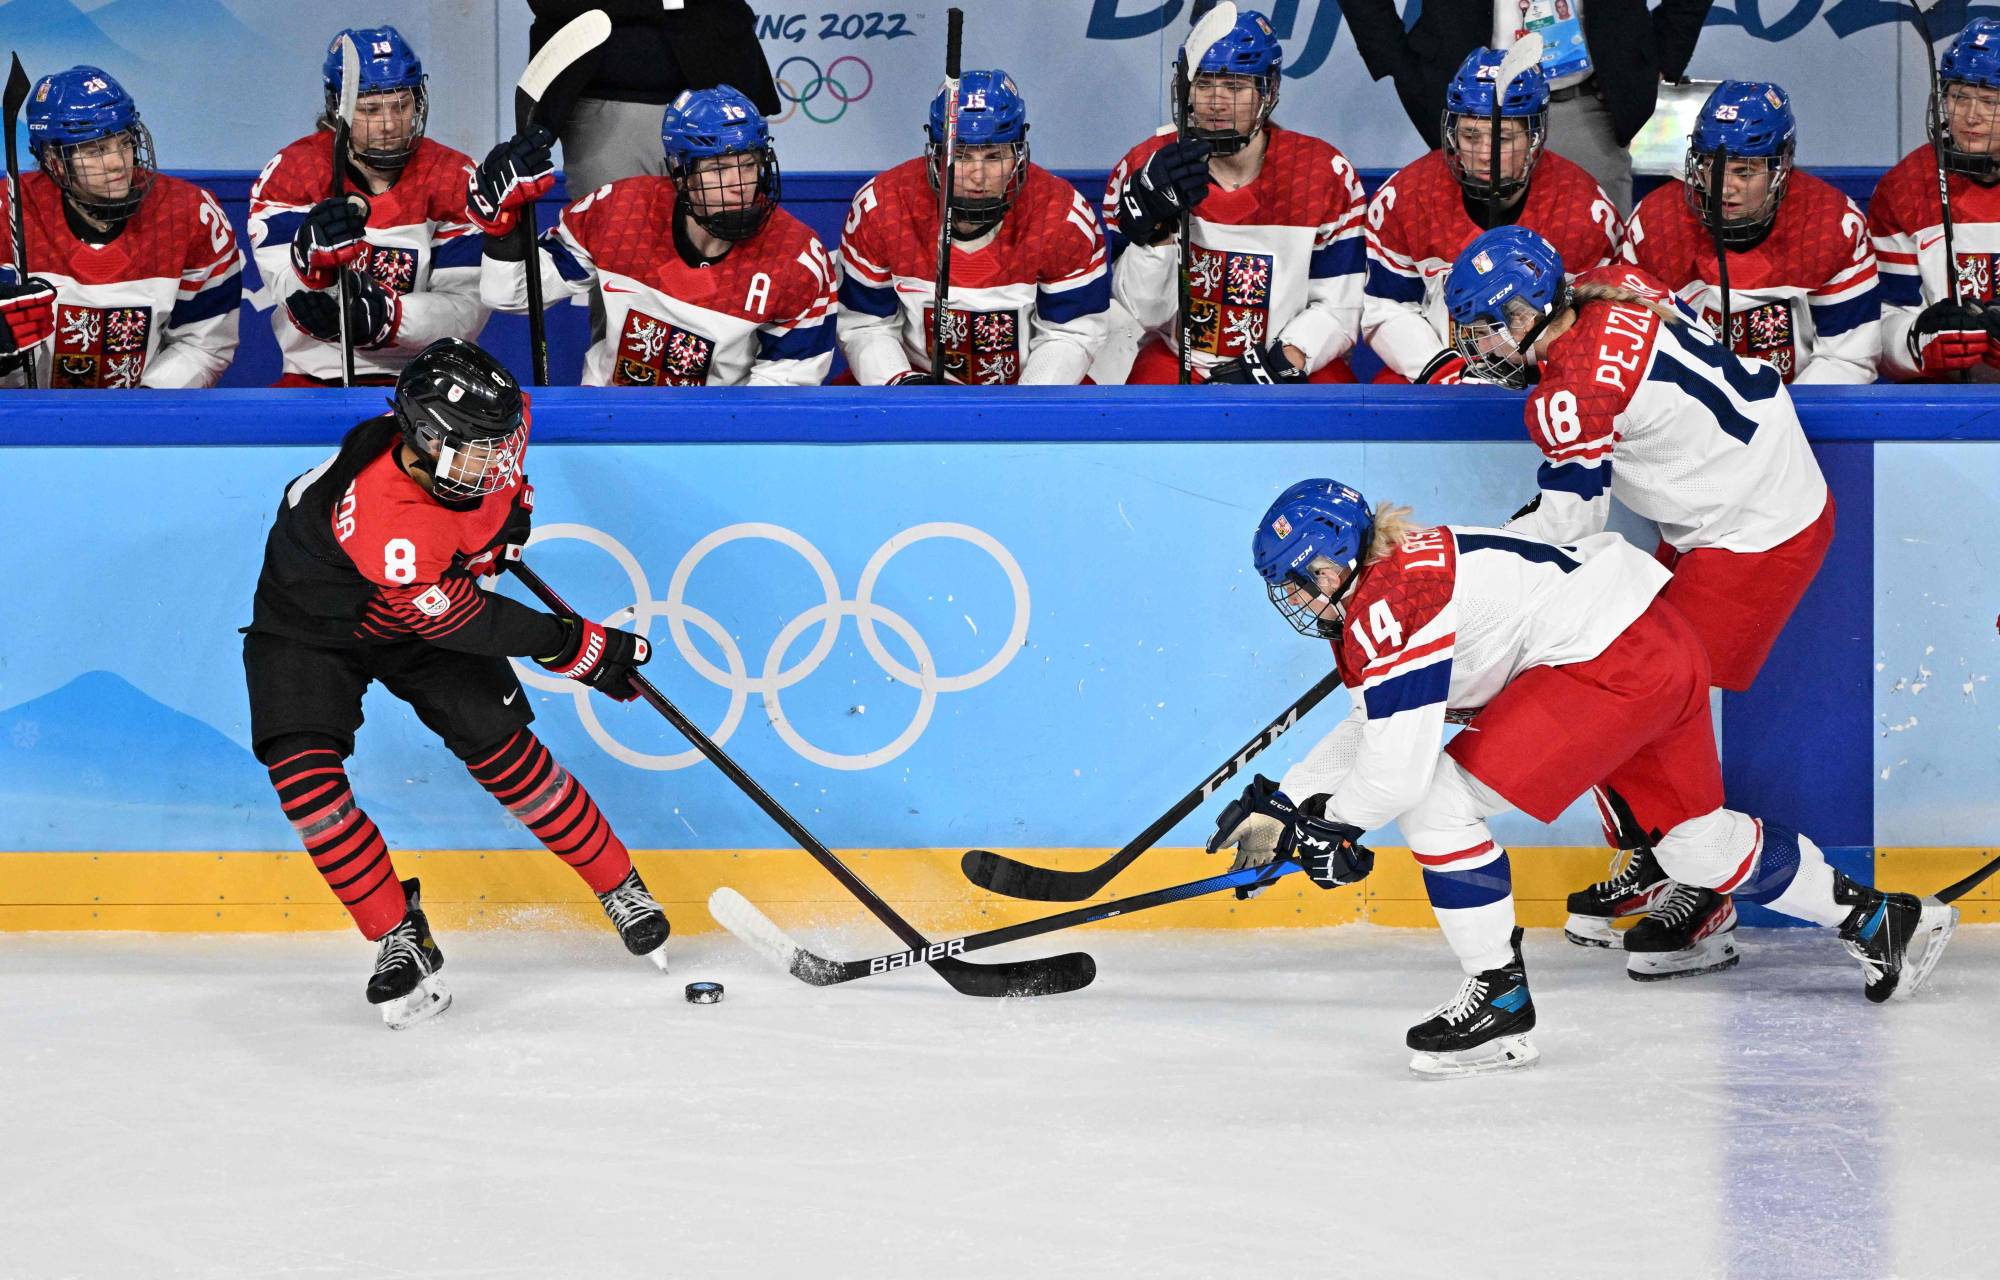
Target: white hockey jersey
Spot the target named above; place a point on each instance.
(1656, 413)
(1907, 224)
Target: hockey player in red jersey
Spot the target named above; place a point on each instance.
(1029, 283)
(134, 278)
(1637, 401)
(1803, 293)
(1937, 290)
(1276, 257)
(370, 573)
(706, 281)
(401, 236)
(1429, 210)
(1570, 670)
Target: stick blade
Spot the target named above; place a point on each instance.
(1214, 25)
(997, 873)
(1527, 52)
(17, 89)
(350, 79)
(757, 931)
(1048, 976)
(1953, 892)
(954, 40)
(569, 47)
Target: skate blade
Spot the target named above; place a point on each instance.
(1593, 931)
(658, 955)
(430, 999)
(1710, 955)
(1934, 929)
(1504, 1053)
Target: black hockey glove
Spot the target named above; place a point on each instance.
(1445, 369)
(27, 315)
(1263, 825)
(916, 378)
(517, 172)
(374, 313)
(1260, 366)
(1948, 336)
(602, 657)
(1175, 178)
(329, 239)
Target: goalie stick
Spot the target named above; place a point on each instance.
(1002, 874)
(1214, 25)
(954, 32)
(343, 130)
(569, 56)
(16, 96)
(1047, 975)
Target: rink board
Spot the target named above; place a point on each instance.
(924, 621)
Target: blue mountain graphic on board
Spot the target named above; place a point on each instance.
(53, 34)
(97, 765)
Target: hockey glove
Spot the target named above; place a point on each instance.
(915, 378)
(1445, 369)
(602, 657)
(1948, 336)
(27, 314)
(374, 313)
(1263, 824)
(506, 544)
(1174, 179)
(329, 239)
(1261, 366)
(515, 173)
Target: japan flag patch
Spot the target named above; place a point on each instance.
(433, 603)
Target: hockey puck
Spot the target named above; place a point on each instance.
(704, 993)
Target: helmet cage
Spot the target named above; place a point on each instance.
(1981, 166)
(1493, 187)
(1492, 352)
(1314, 614)
(393, 159)
(985, 212)
(463, 469)
(1227, 142)
(739, 223)
(1748, 229)
(59, 160)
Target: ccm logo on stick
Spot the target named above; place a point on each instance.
(1269, 736)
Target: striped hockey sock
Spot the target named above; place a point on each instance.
(344, 842)
(555, 807)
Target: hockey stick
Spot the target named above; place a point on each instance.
(16, 96)
(1526, 52)
(954, 31)
(570, 54)
(741, 917)
(1937, 146)
(343, 129)
(1958, 889)
(1214, 25)
(1715, 171)
(1001, 874)
(1044, 976)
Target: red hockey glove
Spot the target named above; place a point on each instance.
(602, 657)
(915, 378)
(517, 172)
(329, 239)
(1445, 369)
(27, 314)
(1948, 336)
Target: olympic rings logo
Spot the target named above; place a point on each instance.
(774, 677)
(799, 94)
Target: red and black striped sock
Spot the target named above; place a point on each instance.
(344, 842)
(554, 806)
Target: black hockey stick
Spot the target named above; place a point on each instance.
(569, 56)
(1048, 975)
(1958, 889)
(1214, 25)
(1937, 123)
(16, 96)
(1526, 52)
(741, 917)
(954, 32)
(343, 130)
(1002, 874)
(1716, 166)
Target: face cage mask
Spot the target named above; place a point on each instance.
(1301, 617)
(1507, 362)
(1750, 229)
(732, 224)
(460, 472)
(984, 213)
(1982, 167)
(1482, 188)
(1227, 142)
(384, 159)
(117, 211)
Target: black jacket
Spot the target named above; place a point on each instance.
(1630, 47)
(654, 52)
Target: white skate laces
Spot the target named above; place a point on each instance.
(627, 902)
(1471, 994)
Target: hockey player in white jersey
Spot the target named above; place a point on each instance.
(1570, 671)
(1636, 401)
(706, 281)
(1029, 284)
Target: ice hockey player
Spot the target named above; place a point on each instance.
(1930, 330)
(1574, 671)
(370, 573)
(1803, 293)
(1029, 284)
(706, 281)
(1430, 209)
(1635, 400)
(134, 278)
(400, 235)
(1276, 257)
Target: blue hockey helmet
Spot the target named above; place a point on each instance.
(991, 112)
(388, 65)
(1470, 94)
(1314, 520)
(80, 106)
(1497, 276)
(1972, 60)
(702, 126)
(1248, 50)
(1743, 120)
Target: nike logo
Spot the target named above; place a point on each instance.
(613, 288)
(1925, 244)
(508, 701)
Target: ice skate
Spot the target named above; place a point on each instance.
(406, 982)
(1897, 937)
(1693, 931)
(1635, 887)
(1481, 1029)
(641, 925)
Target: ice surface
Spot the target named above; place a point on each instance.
(1216, 1105)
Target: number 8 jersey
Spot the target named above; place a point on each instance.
(1655, 412)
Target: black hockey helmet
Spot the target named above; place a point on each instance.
(464, 412)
